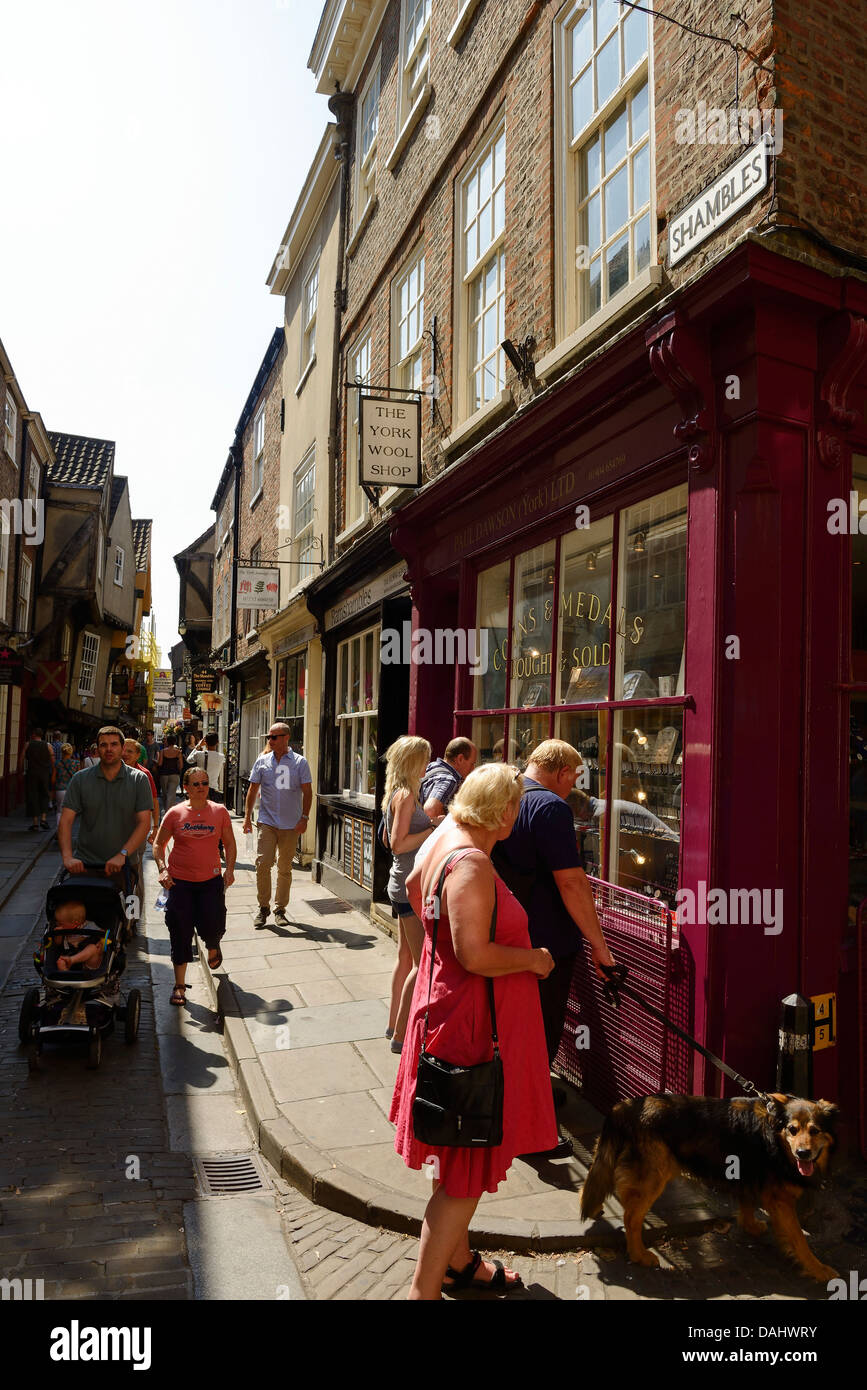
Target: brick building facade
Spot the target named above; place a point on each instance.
(660, 221)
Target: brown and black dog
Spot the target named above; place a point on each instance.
(782, 1146)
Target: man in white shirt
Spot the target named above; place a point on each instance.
(287, 795)
(205, 756)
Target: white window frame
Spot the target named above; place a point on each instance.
(10, 427)
(100, 557)
(25, 595)
(89, 643)
(414, 68)
(65, 642)
(119, 562)
(354, 726)
(409, 354)
(356, 502)
(308, 317)
(258, 453)
(33, 480)
(469, 270)
(366, 160)
(303, 536)
(5, 549)
(572, 306)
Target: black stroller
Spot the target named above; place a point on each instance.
(79, 1002)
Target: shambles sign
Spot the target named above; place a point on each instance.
(390, 452)
(719, 203)
(258, 588)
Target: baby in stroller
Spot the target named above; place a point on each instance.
(73, 929)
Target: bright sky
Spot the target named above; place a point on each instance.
(154, 154)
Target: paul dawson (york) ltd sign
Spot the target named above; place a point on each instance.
(390, 452)
(719, 203)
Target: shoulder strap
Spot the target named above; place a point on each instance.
(436, 903)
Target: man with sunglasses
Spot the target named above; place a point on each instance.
(283, 778)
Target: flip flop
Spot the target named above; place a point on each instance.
(464, 1278)
(215, 964)
(183, 999)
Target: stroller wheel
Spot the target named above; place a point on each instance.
(94, 1049)
(131, 1017)
(27, 1017)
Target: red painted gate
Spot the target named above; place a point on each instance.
(614, 1053)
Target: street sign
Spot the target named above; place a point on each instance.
(723, 200)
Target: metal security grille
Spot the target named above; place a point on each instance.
(222, 1175)
(624, 1052)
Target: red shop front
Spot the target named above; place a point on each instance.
(646, 554)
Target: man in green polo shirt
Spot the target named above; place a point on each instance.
(115, 805)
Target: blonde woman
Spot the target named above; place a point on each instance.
(459, 1030)
(407, 827)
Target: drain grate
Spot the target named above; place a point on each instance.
(328, 905)
(222, 1175)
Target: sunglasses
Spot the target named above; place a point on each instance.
(273, 737)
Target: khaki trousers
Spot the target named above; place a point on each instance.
(279, 844)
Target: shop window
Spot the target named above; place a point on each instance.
(584, 639)
(290, 696)
(408, 322)
(367, 140)
(482, 260)
(357, 696)
(652, 609)
(541, 672)
(359, 370)
(605, 201)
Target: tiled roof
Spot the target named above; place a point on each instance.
(118, 483)
(79, 461)
(141, 544)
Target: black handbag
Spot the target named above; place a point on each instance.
(455, 1106)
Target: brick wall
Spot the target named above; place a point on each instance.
(810, 62)
(260, 523)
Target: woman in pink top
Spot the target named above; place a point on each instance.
(193, 877)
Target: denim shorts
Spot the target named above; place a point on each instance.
(403, 909)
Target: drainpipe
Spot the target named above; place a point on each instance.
(340, 105)
(22, 487)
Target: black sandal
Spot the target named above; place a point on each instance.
(464, 1278)
(183, 999)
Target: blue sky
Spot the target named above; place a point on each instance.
(154, 153)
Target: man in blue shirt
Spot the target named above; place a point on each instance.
(444, 775)
(283, 777)
(541, 864)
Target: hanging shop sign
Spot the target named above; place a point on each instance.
(258, 588)
(390, 452)
(718, 204)
(50, 679)
(163, 683)
(120, 683)
(204, 682)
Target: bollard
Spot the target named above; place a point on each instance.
(795, 1047)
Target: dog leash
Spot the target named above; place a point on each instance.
(616, 985)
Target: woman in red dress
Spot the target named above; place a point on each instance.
(459, 1028)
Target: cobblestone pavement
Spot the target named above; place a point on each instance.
(69, 1215)
(343, 1259)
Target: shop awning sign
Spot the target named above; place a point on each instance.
(390, 442)
(722, 201)
(258, 587)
